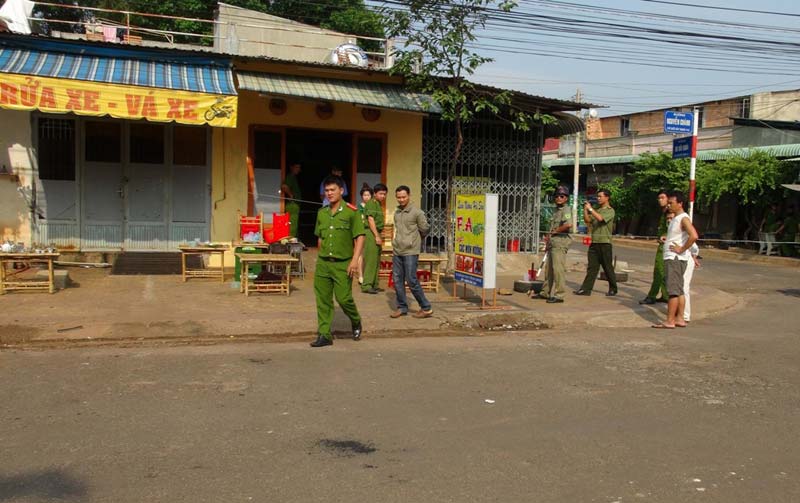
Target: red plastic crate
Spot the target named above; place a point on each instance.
(279, 229)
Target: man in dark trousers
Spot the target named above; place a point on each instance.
(341, 239)
(601, 221)
(410, 225)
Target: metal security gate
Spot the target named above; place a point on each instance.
(494, 158)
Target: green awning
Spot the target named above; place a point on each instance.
(787, 150)
(358, 92)
(586, 161)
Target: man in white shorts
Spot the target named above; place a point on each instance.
(681, 235)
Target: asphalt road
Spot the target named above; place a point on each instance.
(707, 414)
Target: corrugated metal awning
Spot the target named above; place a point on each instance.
(368, 94)
(204, 78)
(565, 124)
(788, 150)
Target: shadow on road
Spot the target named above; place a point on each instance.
(790, 292)
(45, 484)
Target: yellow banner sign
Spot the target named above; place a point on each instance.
(23, 92)
(470, 230)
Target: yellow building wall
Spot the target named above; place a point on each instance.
(17, 156)
(229, 176)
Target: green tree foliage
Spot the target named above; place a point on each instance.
(655, 172)
(754, 180)
(624, 198)
(437, 59)
(348, 16)
(549, 182)
(750, 179)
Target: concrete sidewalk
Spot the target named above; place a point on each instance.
(104, 309)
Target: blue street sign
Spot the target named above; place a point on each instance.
(678, 122)
(682, 147)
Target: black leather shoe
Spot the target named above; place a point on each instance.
(357, 332)
(373, 291)
(647, 301)
(554, 300)
(582, 292)
(662, 300)
(611, 293)
(321, 341)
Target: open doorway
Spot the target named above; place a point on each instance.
(360, 156)
(318, 152)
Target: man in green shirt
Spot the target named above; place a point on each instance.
(291, 198)
(373, 242)
(341, 240)
(659, 284)
(601, 221)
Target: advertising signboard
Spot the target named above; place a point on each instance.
(476, 240)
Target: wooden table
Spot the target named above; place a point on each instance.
(434, 267)
(187, 273)
(427, 262)
(282, 286)
(28, 258)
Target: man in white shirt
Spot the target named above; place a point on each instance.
(681, 235)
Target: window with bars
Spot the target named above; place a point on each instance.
(56, 149)
(744, 108)
(624, 126)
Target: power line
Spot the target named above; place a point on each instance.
(772, 13)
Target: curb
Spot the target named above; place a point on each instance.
(730, 256)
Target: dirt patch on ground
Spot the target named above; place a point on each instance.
(134, 330)
(503, 322)
(345, 448)
(16, 334)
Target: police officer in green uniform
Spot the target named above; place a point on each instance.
(601, 251)
(659, 279)
(373, 213)
(341, 239)
(291, 198)
(558, 241)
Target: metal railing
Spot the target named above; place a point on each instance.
(124, 22)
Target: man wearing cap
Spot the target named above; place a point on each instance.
(558, 241)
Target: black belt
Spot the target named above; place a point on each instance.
(332, 259)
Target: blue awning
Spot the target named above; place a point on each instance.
(120, 67)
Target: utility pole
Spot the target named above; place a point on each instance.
(576, 172)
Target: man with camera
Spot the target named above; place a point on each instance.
(601, 221)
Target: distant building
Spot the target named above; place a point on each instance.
(765, 121)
